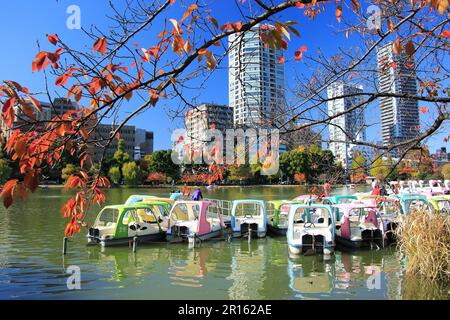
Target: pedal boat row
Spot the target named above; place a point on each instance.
(150, 219)
(310, 223)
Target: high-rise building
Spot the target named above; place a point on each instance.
(256, 80)
(143, 143)
(348, 126)
(399, 116)
(206, 116)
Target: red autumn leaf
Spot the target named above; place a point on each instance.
(61, 80)
(338, 13)
(299, 53)
(8, 104)
(20, 147)
(424, 110)
(300, 5)
(281, 59)
(53, 39)
(35, 103)
(41, 62)
(237, 26)
(446, 34)
(100, 45)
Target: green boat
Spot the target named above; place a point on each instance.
(121, 224)
(277, 215)
(413, 202)
(440, 204)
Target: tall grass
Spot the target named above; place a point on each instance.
(424, 240)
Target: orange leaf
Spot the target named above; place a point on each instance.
(424, 110)
(446, 34)
(338, 13)
(35, 103)
(299, 53)
(100, 45)
(281, 59)
(397, 46)
(53, 38)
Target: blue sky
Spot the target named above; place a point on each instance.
(23, 23)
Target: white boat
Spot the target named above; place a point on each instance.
(249, 217)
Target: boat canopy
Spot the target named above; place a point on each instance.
(137, 198)
(248, 208)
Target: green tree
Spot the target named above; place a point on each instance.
(114, 175)
(314, 163)
(5, 170)
(161, 161)
(121, 156)
(131, 173)
(359, 163)
(68, 170)
(240, 172)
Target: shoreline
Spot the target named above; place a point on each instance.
(44, 186)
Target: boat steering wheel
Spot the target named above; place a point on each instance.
(309, 225)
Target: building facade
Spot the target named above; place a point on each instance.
(349, 126)
(204, 117)
(256, 80)
(62, 105)
(137, 142)
(143, 143)
(399, 116)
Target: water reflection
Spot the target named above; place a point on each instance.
(32, 267)
(248, 265)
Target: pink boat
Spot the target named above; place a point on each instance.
(358, 225)
(194, 220)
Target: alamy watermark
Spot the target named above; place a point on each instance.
(73, 22)
(235, 147)
(374, 19)
(74, 280)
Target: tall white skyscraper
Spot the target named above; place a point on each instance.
(348, 126)
(256, 80)
(399, 116)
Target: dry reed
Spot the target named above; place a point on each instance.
(424, 240)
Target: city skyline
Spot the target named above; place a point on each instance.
(55, 13)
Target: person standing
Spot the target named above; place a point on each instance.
(326, 189)
(197, 195)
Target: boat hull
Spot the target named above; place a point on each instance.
(126, 241)
(204, 237)
(357, 244)
(276, 230)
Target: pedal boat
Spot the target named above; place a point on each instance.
(412, 202)
(249, 218)
(440, 204)
(194, 221)
(311, 228)
(358, 225)
(120, 224)
(277, 216)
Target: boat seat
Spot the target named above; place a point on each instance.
(372, 218)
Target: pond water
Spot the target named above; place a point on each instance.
(32, 266)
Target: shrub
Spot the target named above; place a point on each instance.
(424, 240)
